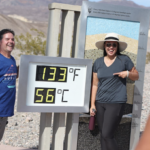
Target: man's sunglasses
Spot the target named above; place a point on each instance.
(113, 45)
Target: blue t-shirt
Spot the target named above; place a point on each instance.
(8, 74)
(111, 88)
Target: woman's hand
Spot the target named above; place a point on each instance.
(92, 113)
(122, 74)
(133, 74)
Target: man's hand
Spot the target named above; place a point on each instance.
(122, 74)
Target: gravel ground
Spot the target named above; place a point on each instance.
(23, 128)
(146, 98)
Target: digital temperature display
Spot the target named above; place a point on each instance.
(51, 74)
(54, 84)
(44, 95)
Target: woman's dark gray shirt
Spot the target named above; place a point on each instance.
(111, 88)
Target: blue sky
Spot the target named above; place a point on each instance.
(101, 25)
(139, 2)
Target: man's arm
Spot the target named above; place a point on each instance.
(144, 143)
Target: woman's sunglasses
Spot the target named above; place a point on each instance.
(113, 45)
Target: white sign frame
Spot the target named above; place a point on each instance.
(26, 88)
(107, 11)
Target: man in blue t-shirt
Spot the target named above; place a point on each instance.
(8, 75)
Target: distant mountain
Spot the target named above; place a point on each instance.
(20, 26)
(122, 3)
(37, 3)
(31, 13)
(45, 3)
(37, 10)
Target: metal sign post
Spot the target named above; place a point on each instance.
(99, 19)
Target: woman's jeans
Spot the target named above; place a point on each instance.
(108, 117)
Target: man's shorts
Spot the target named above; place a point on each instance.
(3, 122)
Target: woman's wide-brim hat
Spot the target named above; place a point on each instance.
(111, 37)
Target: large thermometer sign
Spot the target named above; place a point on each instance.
(54, 84)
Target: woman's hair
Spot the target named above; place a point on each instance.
(118, 52)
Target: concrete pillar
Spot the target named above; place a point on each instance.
(66, 39)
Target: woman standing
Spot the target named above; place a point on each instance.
(109, 95)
